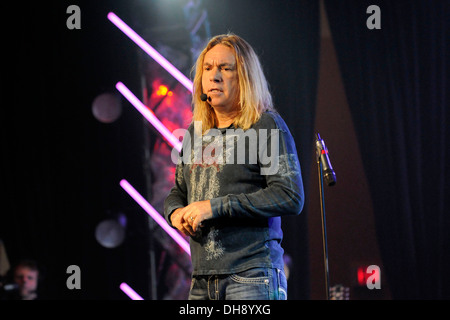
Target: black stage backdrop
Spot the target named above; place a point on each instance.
(397, 82)
(61, 167)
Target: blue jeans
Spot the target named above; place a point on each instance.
(252, 284)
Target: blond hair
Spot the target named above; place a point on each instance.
(254, 95)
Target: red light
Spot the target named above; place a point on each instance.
(361, 274)
(324, 151)
(368, 274)
(162, 90)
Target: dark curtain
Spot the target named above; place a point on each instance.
(397, 82)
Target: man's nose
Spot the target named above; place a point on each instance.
(216, 76)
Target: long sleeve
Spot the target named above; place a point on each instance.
(258, 181)
(284, 194)
(177, 197)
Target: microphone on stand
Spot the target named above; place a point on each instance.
(322, 153)
(204, 97)
(326, 173)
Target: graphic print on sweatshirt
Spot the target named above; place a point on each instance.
(204, 176)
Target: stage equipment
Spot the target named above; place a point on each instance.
(325, 170)
(106, 107)
(150, 51)
(130, 292)
(149, 115)
(110, 233)
(155, 215)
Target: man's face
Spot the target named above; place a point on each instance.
(220, 78)
(27, 280)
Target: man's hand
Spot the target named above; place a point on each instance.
(178, 222)
(188, 219)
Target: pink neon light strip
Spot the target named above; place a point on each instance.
(150, 51)
(130, 292)
(149, 115)
(155, 215)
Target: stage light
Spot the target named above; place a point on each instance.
(130, 292)
(369, 276)
(149, 115)
(106, 107)
(163, 91)
(361, 275)
(155, 215)
(150, 51)
(110, 233)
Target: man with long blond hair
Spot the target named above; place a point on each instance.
(235, 179)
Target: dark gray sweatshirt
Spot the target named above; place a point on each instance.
(252, 178)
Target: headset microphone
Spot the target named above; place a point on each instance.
(204, 97)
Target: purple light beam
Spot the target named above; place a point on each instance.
(149, 115)
(130, 292)
(155, 215)
(150, 51)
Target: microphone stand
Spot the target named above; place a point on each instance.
(322, 155)
(324, 229)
